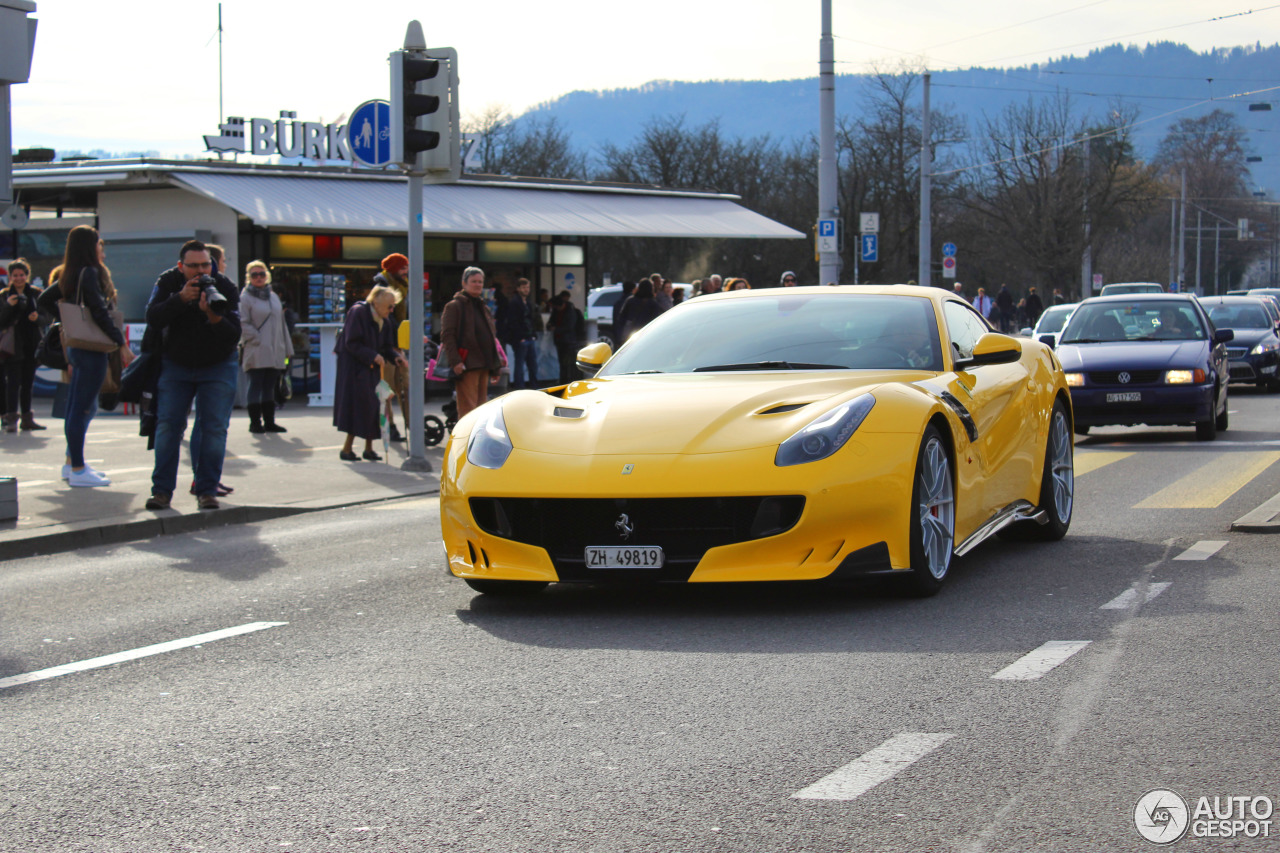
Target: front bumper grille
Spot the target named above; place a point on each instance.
(1136, 377)
(685, 528)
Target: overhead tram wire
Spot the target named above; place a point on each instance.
(1107, 40)
(1100, 134)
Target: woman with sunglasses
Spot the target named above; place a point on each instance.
(265, 346)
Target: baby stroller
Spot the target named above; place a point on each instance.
(438, 377)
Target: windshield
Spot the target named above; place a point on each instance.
(1106, 322)
(833, 331)
(1247, 316)
(1053, 320)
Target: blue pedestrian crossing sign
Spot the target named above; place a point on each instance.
(369, 133)
(870, 248)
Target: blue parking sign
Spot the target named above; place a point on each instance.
(870, 248)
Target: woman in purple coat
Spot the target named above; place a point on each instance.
(367, 342)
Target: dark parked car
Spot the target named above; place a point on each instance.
(1147, 358)
(1254, 354)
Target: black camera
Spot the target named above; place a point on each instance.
(217, 302)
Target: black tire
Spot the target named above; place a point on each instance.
(932, 498)
(1223, 421)
(1057, 485)
(508, 589)
(432, 430)
(1207, 430)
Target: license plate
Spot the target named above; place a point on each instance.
(615, 557)
(1125, 397)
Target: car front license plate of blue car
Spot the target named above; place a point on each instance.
(615, 557)
(1125, 397)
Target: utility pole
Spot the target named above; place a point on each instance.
(925, 276)
(828, 197)
(1182, 237)
(1086, 267)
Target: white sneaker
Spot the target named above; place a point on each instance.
(87, 477)
(66, 471)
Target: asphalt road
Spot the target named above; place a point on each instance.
(372, 703)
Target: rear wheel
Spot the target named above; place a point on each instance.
(933, 516)
(506, 588)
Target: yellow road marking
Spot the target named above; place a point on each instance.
(1211, 484)
(1092, 461)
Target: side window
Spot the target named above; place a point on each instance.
(964, 326)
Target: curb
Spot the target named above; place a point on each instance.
(119, 531)
(1261, 520)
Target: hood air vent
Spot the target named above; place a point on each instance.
(785, 407)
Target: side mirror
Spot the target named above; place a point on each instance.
(1221, 336)
(1049, 341)
(1025, 331)
(592, 357)
(992, 348)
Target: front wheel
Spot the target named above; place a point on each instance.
(1057, 484)
(933, 516)
(1223, 420)
(506, 588)
(1207, 429)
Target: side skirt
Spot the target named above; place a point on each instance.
(1016, 511)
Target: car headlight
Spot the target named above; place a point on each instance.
(489, 445)
(825, 435)
(1184, 377)
(1074, 380)
(1263, 349)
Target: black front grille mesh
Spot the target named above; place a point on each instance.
(1136, 377)
(683, 527)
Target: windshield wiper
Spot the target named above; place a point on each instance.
(1086, 341)
(639, 372)
(770, 365)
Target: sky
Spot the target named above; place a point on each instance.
(126, 75)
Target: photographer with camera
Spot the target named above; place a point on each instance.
(194, 317)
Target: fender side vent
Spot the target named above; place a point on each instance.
(562, 412)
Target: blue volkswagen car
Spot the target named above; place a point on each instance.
(1150, 358)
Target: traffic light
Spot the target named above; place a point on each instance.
(420, 112)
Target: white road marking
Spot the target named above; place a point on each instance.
(134, 654)
(1202, 550)
(1034, 664)
(1125, 600)
(885, 761)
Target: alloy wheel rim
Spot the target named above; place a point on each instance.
(1061, 468)
(937, 508)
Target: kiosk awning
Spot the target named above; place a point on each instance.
(464, 208)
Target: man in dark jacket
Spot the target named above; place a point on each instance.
(1035, 307)
(1004, 305)
(518, 325)
(469, 340)
(194, 311)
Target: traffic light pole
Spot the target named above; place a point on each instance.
(417, 460)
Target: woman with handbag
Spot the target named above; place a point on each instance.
(265, 346)
(88, 331)
(19, 337)
(367, 343)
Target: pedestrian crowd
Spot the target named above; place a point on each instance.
(1007, 312)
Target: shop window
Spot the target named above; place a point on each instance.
(291, 246)
(328, 247)
(570, 256)
(507, 251)
(437, 249)
(371, 248)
